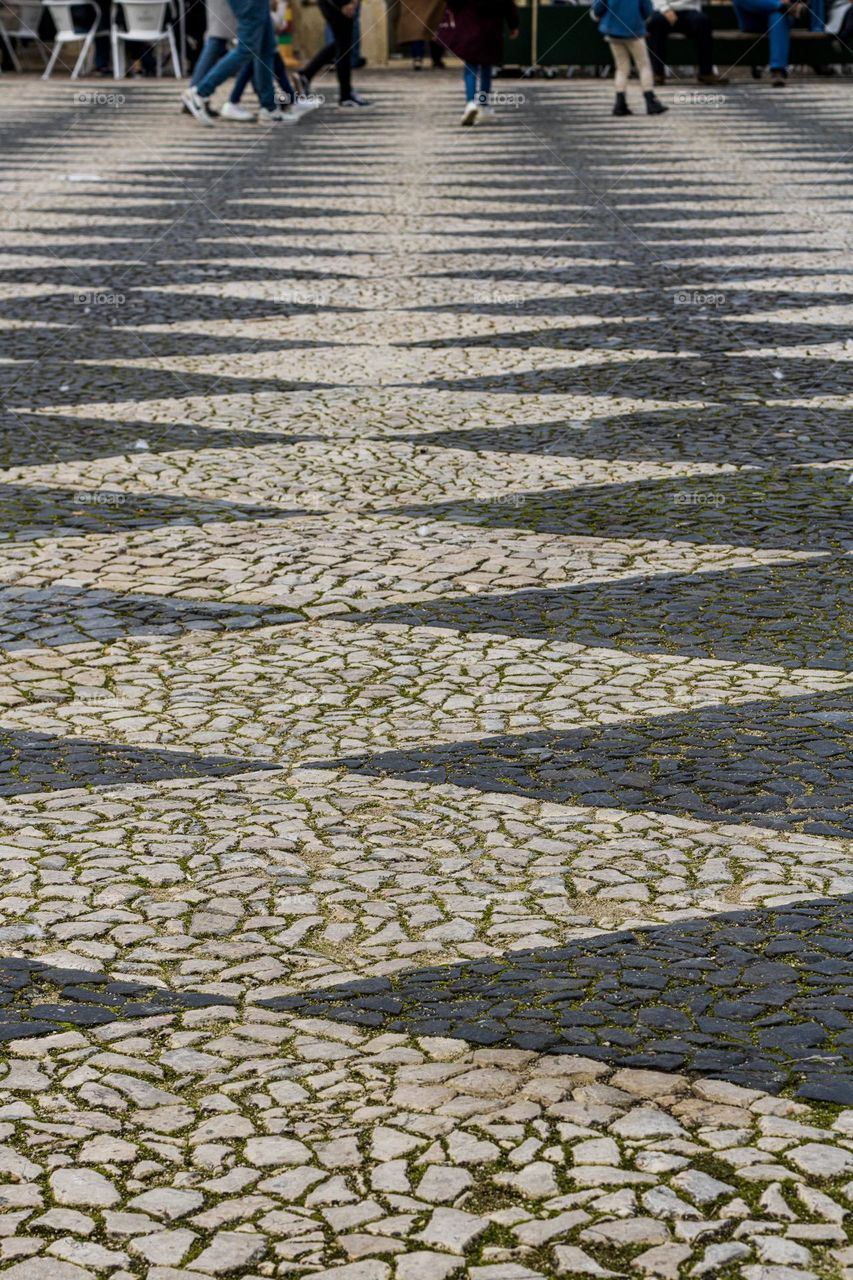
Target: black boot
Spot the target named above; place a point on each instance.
(654, 106)
(620, 106)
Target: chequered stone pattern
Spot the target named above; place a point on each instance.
(424, 688)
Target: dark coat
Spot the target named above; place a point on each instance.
(473, 30)
(419, 20)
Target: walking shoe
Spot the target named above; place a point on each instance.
(620, 106)
(654, 106)
(469, 115)
(275, 117)
(711, 78)
(234, 111)
(301, 84)
(778, 77)
(486, 115)
(197, 106)
(353, 101)
(303, 105)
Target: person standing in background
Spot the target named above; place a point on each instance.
(417, 24)
(623, 24)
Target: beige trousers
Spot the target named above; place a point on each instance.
(626, 51)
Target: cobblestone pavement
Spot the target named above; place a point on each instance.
(424, 741)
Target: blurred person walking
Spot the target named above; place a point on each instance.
(473, 30)
(291, 105)
(255, 46)
(340, 15)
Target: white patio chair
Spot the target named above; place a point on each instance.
(20, 20)
(145, 23)
(67, 33)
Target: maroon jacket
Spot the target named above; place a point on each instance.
(473, 30)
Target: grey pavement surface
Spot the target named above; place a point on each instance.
(425, 737)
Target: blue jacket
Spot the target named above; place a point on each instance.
(622, 19)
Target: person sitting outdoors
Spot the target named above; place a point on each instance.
(688, 19)
(776, 18)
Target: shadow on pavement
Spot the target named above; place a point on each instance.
(783, 763)
(758, 997)
(39, 999)
(35, 762)
(798, 507)
(738, 615)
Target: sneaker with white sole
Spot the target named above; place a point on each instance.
(469, 115)
(197, 106)
(235, 111)
(302, 105)
(276, 116)
(354, 102)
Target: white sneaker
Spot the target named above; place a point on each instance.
(276, 116)
(469, 115)
(234, 111)
(302, 105)
(197, 106)
(486, 115)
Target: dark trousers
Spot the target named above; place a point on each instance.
(689, 22)
(339, 51)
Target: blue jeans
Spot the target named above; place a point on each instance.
(279, 71)
(766, 15)
(214, 48)
(472, 73)
(255, 46)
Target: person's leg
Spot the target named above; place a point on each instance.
(697, 26)
(342, 26)
(485, 84)
(280, 73)
(355, 59)
(470, 77)
(240, 83)
(751, 17)
(621, 65)
(436, 53)
(817, 15)
(213, 49)
(658, 35)
(320, 60)
(251, 22)
(779, 36)
(640, 57)
(103, 51)
(262, 61)
(248, 73)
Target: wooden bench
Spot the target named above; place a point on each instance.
(569, 37)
